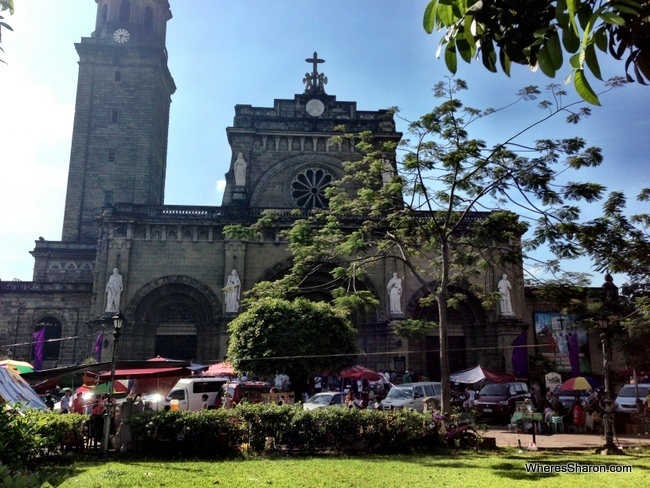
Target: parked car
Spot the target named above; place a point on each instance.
(498, 400)
(324, 400)
(626, 399)
(410, 395)
(239, 390)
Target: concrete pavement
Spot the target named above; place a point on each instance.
(570, 441)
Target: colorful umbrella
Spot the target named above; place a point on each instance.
(580, 383)
(20, 366)
(219, 369)
(118, 387)
(361, 373)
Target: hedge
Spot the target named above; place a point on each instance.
(31, 436)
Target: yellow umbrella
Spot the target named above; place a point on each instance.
(20, 366)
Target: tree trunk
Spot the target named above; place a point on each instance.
(445, 401)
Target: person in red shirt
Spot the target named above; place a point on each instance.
(78, 403)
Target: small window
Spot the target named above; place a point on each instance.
(104, 15)
(117, 76)
(51, 344)
(148, 17)
(125, 11)
(115, 116)
(428, 390)
(112, 155)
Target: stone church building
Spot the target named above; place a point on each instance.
(169, 269)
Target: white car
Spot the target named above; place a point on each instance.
(626, 399)
(324, 400)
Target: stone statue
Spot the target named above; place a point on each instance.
(114, 289)
(505, 303)
(394, 288)
(240, 170)
(387, 171)
(231, 292)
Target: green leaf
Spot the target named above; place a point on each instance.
(612, 18)
(505, 61)
(446, 15)
(465, 50)
(600, 39)
(545, 62)
(570, 40)
(592, 61)
(429, 20)
(555, 50)
(583, 88)
(450, 58)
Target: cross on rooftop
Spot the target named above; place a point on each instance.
(315, 62)
(315, 82)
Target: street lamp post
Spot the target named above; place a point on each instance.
(611, 297)
(109, 414)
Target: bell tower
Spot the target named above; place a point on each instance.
(124, 88)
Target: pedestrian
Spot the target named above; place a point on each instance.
(78, 403)
(204, 405)
(65, 402)
(49, 401)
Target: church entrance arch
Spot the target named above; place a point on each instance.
(464, 323)
(175, 317)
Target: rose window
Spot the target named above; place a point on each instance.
(308, 188)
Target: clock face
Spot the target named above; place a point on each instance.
(315, 107)
(121, 36)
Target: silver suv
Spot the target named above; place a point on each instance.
(410, 395)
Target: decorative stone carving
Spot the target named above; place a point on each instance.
(505, 302)
(232, 292)
(114, 289)
(394, 288)
(240, 170)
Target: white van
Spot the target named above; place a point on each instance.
(626, 399)
(187, 392)
(411, 395)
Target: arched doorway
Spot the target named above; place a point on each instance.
(464, 334)
(175, 317)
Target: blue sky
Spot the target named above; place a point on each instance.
(223, 53)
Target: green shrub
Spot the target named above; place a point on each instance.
(27, 435)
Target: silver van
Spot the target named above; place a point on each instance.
(411, 395)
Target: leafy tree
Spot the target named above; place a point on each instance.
(429, 214)
(617, 243)
(298, 338)
(537, 33)
(5, 5)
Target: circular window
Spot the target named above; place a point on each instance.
(308, 188)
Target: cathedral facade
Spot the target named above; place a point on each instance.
(171, 270)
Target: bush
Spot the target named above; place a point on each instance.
(34, 435)
(216, 433)
(27, 435)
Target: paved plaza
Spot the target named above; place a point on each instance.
(569, 441)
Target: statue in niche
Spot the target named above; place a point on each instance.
(114, 289)
(232, 292)
(394, 288)
(240, 170)
(505, 303)
(387, 171)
